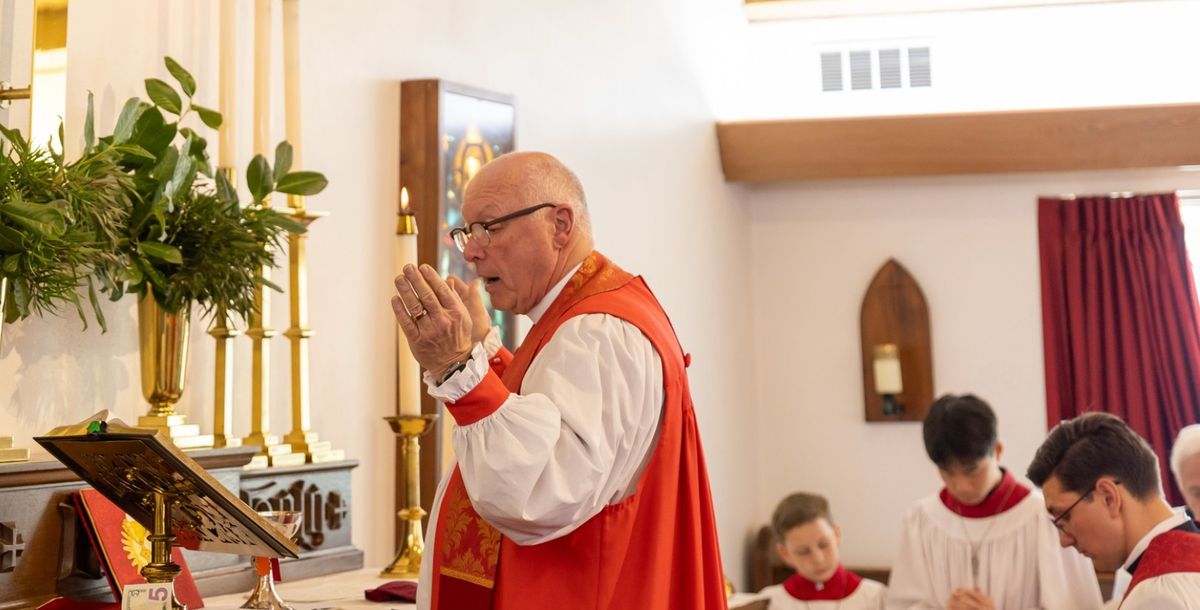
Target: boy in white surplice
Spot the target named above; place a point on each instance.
(983, 542)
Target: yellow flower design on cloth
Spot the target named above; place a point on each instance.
(135, 540)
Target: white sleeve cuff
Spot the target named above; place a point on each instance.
(491, 343)
(462, 382)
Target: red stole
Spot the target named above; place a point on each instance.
(1169, 552)
(655, 549)
(843, 584)
(1006, 495)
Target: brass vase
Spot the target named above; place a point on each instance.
(163, 340)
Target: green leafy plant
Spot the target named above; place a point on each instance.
(60, 224)
(188, 238)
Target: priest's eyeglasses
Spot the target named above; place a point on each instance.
(481, 232)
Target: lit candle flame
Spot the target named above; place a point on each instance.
(404, 201)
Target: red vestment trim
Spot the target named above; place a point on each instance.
(1169, 552)
(1006, 495)
(841, 585)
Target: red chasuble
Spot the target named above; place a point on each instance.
(1168, 553)
(843, 584)
(1006, 495)
(655, 549)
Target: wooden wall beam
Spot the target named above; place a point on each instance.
(975, 143)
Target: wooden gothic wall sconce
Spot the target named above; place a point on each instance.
(897, 354)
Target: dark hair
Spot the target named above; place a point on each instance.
(1079, 451)
(798, 509)
(959, 429)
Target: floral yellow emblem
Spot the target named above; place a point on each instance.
(135, 540)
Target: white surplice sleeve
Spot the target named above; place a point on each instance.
(910, 586)
(1066, 579)
(574, 440)
(1177, 591)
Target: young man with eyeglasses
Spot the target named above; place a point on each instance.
(1102, 489)
(982, 542)
(580, 481)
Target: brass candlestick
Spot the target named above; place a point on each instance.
(273, 451)
(302, 439)
(407, 563)
(224, 334)
(162, 569)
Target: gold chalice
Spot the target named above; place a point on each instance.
(264, 597)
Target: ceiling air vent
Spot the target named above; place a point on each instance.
(919, 70)
(831, 71)
(889, 69)
(860, 70)
(897, 68)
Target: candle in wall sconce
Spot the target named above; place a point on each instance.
(406, 254)
(888, 380)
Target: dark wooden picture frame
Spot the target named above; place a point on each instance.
(447, 132)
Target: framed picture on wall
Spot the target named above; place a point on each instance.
(448, 131)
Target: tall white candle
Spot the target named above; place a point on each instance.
(227, 152)
(262, 76)
(408, 371)
(291, 78)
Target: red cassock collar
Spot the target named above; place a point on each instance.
(840, 586)
(1006, 495)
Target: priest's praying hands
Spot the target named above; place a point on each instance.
(434, 319)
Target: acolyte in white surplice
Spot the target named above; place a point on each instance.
(1020, 563)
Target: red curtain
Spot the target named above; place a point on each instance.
(1119, 316)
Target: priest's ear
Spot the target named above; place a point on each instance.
(564, 224)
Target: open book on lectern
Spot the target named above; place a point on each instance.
(128, 465)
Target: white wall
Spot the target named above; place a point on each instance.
(971, 243)
(616, 89)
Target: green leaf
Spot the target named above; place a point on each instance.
(225, 189)
(20, 298)
(11, 264)
(302, 183)
(11, 240)
(164, 95)
(95, 301)
(152, 132)
(208, 116)
(133, 150)
(258, 178)
(162, 252)
(283, 159)
(130, 113)
(186, 82)
(285, 222)
(89, 128)
(182, 178)
(45, 221)
(153, 275)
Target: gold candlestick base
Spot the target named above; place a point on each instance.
(8, 453)
(407, 563)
